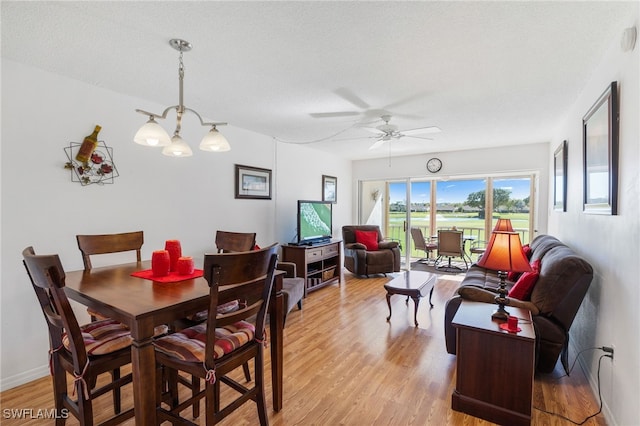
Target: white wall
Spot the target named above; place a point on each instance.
(300, 173)
(609, 314)
(184, 198)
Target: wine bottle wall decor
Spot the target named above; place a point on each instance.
(91, 161)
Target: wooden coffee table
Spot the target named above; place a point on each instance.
(412, 284)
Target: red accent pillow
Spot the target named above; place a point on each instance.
(368, 238)
(513, 276)
(256, 247)
(527, 251)
(522, 289)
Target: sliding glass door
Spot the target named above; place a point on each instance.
(398, 205)
(512, 200)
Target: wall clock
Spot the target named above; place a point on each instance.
(434, 165)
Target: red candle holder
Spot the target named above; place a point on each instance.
(175, 251)
(185, 265)
(160, 263)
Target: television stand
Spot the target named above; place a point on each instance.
(319, 264)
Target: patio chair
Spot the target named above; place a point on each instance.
(450, 245)
(421, 244)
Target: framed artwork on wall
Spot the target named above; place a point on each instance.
(253, 182)
(329, 188)
(600, 154)
(560, 178)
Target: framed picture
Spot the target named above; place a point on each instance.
(329, 188)
(600, 142)
(560, 178)
(253, 182)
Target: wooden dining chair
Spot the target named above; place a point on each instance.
(90, 245)
(226, 242)
(229, 242)
(213, 349)
(292, 285)
(84, 352)
(109, 243)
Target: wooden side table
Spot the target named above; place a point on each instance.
(318, 264)
(495, 368)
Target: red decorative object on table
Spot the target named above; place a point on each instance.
(175, 252)
(185, 265)
(160, 263)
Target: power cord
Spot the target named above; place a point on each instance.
(606, 355)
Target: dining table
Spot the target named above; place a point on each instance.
(142, 304)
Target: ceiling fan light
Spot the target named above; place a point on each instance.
(152, 134)
(177, 148)
(214, 141)
(387, 128)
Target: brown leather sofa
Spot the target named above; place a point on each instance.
(360, 261)
(562, 284)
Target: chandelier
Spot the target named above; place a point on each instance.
(152, 134)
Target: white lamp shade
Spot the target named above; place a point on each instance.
(214, 141)
(152, 134)
(177, 148)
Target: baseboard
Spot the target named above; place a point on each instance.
(24, 377)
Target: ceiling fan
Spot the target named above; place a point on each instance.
(364, 110)
(386, 132)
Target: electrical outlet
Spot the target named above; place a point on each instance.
(610, 350)
(613, 348)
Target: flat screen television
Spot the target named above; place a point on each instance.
(314, 221)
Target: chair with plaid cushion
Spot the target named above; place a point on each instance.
(90, 245)
(84, 352)
(226, 242)
(225, 342)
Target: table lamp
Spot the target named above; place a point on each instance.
(503, 225)
(504, 254)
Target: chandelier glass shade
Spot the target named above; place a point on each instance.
(152, 134)
(177, 148)
(214, 141)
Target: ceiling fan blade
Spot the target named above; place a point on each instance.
(421, 131)
(406, 100)
(373, 130)
(348, 95)
(415, 137)
(333, 114)
(377, 144)
(356, 138)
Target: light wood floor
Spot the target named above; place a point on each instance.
(345, 365)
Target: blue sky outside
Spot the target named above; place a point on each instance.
(456, 191)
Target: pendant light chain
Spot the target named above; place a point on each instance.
(180, 108)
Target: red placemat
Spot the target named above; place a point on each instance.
(171, 278)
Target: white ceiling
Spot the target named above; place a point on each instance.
(487, 73)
